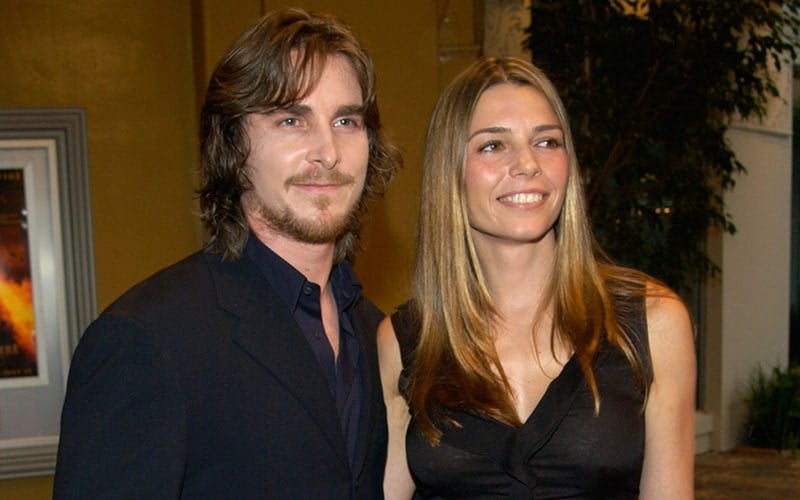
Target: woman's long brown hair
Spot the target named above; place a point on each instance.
(455, 365)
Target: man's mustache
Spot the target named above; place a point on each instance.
(332, 177)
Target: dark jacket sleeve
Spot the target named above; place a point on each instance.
(123, 423)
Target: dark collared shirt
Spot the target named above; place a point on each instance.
(302, 297)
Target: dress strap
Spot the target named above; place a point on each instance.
(406, 328)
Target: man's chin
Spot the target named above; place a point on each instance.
(315, 231)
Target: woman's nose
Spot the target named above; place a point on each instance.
(525, 163)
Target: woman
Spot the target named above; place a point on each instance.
(526, 365)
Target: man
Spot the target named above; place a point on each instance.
(248, 370)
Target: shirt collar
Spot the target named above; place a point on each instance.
(288, 282)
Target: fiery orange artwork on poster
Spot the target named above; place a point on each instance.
(18, 356)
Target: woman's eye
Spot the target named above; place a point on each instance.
(489, 147)
(549, 143)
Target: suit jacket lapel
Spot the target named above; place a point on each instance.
(271, 336)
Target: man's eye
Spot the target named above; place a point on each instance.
(347, 122)
(289, 122)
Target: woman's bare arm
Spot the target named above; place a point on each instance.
(668, 471)
(397, 482)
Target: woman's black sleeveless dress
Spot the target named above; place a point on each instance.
(562, 451)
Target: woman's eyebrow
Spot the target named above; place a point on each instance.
(501, 130)
(490, 130)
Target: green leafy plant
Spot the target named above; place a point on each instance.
(773, 405)
(651, 87)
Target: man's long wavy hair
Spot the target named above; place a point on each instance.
(274, 64)
(455, 365)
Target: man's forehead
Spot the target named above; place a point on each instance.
(310, 73)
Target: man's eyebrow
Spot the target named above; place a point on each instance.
(293, 109)
(351, 109)
(304, 110)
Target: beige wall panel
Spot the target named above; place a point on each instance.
(129, 64)
(220, 23)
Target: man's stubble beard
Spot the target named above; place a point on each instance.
(324, 229)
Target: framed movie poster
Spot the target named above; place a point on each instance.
(47, 294)
(19, 351)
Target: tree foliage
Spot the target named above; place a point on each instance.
(651, 88)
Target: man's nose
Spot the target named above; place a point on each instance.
(324, 149)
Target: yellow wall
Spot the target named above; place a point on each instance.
(129, 64)
(138, 68)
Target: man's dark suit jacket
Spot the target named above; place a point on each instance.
(198, 383)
